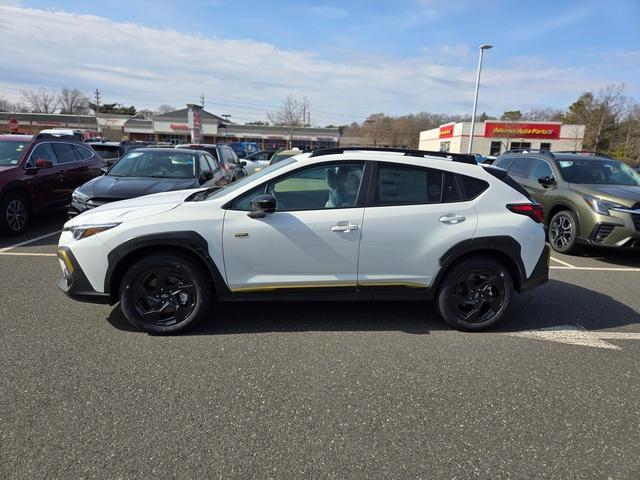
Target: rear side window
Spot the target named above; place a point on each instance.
(520, 166)
(85, 153)
(401, 185)
(472, 186)
(65, 152)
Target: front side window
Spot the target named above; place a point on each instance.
(541, 169)
(328, 186)
(520, 166)
(43, 151)
(401, 185)
(158, 164)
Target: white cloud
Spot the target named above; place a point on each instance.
(326, 11)
(135, 64)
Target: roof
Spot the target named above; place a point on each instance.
(182, 115)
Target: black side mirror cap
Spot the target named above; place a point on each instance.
(261, 205)
(546, 181)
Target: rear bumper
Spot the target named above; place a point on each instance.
(540, 274)
(74, 282)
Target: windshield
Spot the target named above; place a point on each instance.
(598, 172)
(249, 179)
(10, 152)
(157, 164)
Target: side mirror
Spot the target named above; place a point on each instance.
(243, 163)
(205, 176)
(546, 181)
(261, 205)
(42, 163)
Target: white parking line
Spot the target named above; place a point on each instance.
(27, 242)
(561, 262)
(599, 269)
(27, 254)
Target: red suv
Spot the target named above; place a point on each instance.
(40, 172)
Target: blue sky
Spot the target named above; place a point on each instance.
(350, 58)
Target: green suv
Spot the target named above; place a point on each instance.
(588, 199)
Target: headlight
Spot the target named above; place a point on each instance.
(83, 231)
(78, 196)
(601, 206)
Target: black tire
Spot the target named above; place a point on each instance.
(563, 232)
(474, 294)
(165, 294)
(15, 214)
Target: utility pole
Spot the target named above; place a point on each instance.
(304, 115)
(97, 101)
(202, 100)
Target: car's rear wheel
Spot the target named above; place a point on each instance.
(563, 232)
(15, 214)
(165, 294)
(475, 294)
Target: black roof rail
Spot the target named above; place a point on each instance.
(41, 136)
(540, 151)
(456, 157)
(587, 152)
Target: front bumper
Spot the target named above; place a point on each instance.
(540, 274)
(76, 208)
(619, 230)
(74, 282)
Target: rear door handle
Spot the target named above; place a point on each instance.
(452, 218)
(344, 227)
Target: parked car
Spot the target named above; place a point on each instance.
(244, 149)
(39, 173)
(283, 155)
(588, 199)
(332, 224)
(110, 152)
(144, 171)
(229, 161)
(257, 161)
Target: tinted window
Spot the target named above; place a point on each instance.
(450, 192)
(230, 156)
(213, 165)
(504, 162)
(43, 151)
(65, 152)
(204, 166)
(85, 153)
(520, 166)
(330, 186)
(400, 185)
(472, 186)
(541, 169)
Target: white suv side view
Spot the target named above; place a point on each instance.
(347, 224)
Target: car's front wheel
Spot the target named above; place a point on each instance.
(15, 214)
(475, 294)
(165, 293)
(563, 232)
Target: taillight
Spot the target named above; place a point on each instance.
(531, 210)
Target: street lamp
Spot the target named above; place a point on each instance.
(475, 99)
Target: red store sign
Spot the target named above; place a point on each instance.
(446, 131)
(522, 130)
(179, 126)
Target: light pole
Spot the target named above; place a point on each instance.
(475, 99)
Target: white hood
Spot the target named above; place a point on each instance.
(133, 208)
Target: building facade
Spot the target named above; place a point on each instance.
(496, 137)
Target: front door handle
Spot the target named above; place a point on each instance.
(344, 227)
(452, 218)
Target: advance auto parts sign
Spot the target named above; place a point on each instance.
(522, 130)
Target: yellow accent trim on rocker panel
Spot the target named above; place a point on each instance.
(281, 286)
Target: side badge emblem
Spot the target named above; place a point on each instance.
(241, 234)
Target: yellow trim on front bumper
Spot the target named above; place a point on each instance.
(62, 255)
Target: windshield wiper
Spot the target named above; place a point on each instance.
(202, 194)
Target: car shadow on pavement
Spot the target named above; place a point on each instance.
(614, 257)
(555, 303)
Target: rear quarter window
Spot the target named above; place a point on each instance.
(472, 187)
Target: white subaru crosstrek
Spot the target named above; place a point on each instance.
(338, 224)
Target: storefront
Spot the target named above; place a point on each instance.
(496, 137)
(33, 123)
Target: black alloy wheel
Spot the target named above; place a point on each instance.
(166, 293)
(15, 214)
(563, 229)
(475, 293)
(163, 295)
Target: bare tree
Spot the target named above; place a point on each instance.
(40, 101)
(611, 105)
(291, 115)
(6, 105)
(73, 102)
(164, 108)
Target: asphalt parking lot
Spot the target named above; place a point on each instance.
(333, 390)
